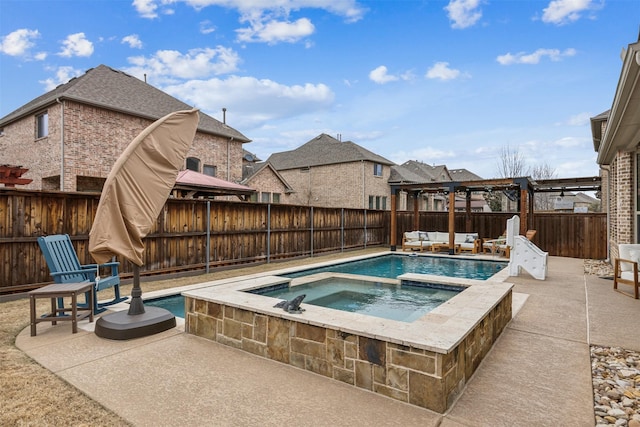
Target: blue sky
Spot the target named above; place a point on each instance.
(443, 82)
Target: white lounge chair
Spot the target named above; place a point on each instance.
(626, 268)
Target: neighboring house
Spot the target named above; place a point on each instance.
(616, 136)
(576, 203)
(269, 185)
(415, 172)
(70, 137)
(330, 173)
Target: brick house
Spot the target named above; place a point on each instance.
(616, 136)
(70, 137)
(416, 172)
(270, 186)
(331, 173)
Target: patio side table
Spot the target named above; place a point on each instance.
(61, 290)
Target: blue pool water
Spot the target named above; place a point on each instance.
(386, 266)
(392, 266)
(403, 303)
(173, 303)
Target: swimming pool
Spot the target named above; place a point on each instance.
(173, 303)
(389, 301)
(388, 266)
(424, 362)
(393, 265)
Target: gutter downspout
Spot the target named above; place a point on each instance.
(229, 159)
(61, 144)
(364, 188)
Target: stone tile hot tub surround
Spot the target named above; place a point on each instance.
(425, 363)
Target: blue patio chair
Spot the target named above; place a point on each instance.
(65, 267)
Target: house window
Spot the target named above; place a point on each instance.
(265, 197)
(377, 169)
(371, 201)
(209, 170)
(42, 125)
(253, 197)
(276, 198)
(384, 203)
(193, 164)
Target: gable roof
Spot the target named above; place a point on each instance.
(463, 175)
(254, 169)
(324, 150)
(403, 175)
(201, 184)
(111, 89)
(428, 173)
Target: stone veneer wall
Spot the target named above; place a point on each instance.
(420, 377)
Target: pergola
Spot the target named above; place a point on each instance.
(11, 175)
(525, 189)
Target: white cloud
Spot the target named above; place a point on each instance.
(168, 65)
(252, 102)
(146, 8)
(62, 75)
(133, 41)
(535, 57)
(380, 75)
(570, 142)
(273, 31)
(563, 11)
(76, 45)
(463, 13)
(206, 27)
(18, 42)
(428, 155)
(580, 119)
(441, 70)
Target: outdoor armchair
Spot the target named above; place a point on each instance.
(65, 267)
(626, 268)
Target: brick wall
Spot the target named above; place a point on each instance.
(344, 185)
(267, 181)
(93, 139)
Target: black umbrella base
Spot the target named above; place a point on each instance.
(125, 326)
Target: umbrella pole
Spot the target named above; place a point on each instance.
(136, 306)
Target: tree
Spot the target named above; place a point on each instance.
(511, 163)
(544, 201)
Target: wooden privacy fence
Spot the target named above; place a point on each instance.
(188, 235)
(199, 235)
(560, 234)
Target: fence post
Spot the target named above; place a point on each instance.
(268, 233)
(342, 230)
(365, 228)
(208, 245)
(311, 231)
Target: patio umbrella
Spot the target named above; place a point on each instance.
(133, 196)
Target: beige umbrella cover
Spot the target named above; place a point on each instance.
(138, 186)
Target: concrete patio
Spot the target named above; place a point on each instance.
(538, 373)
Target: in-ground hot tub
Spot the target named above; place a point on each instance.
(425, 362)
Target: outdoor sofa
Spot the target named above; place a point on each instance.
(424, 240)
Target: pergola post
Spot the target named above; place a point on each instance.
(394, 220)
(416, 211)
(468, 211)
(452, 220)
(524, 207)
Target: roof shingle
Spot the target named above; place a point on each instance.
(111, 89)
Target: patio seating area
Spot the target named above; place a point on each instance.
(537, 373)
